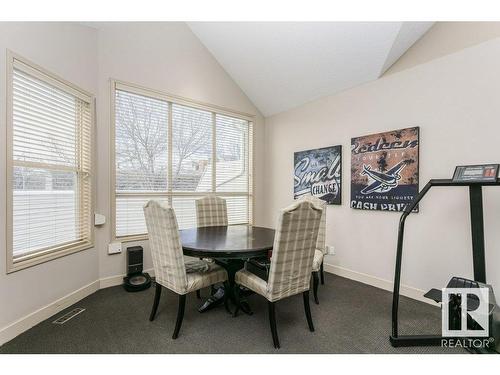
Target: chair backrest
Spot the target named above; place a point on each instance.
(165, 245)
(321, 242)
(211, 211)
(293, 250)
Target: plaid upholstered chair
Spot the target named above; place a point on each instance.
(320, 251)
(171, 270)
(261, 266)
(291, 263)
(211, 211)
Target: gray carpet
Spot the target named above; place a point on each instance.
(351, 318)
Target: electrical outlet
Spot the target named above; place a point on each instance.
(115, 248)
(99, 219)
(331, 250)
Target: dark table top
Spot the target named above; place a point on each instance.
(230, 242)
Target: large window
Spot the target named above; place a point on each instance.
(171, 149)
(49, 166)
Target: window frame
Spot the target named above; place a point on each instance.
(173, 99)
(46, 254)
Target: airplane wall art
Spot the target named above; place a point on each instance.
(384, 170)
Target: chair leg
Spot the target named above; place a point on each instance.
(236, 291)
(227, 292)
(322, 273)
(315, 286)
(307, 308)
(198, 295)
(155, 302)
(180, 315)
(272, 322)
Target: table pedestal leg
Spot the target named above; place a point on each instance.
(231, 266)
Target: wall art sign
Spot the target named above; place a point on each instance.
(318, 173)
(384, 170)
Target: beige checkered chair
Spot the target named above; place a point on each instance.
(320, 251)
(291, 263)
(171, 269)
(211, 211)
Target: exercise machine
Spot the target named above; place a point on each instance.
(478, 259)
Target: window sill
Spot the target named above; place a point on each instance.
(132, 238)
(35, 259)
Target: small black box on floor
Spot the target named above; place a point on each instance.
(134, 260)
(135, 280)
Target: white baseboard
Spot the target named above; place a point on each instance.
(377, 282)
(21, 325)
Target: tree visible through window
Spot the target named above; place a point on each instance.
(181, 169)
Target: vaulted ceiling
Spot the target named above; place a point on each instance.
(281, 65)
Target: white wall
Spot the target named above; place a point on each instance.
(70, 51)
(455, 101)
(166, 57)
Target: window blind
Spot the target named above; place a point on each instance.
(141, 143)
(192, 149)
(172, 158)
(232, 154)
(51, 164)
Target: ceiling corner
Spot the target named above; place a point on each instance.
(409, 33)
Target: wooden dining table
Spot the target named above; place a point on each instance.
(229, 246)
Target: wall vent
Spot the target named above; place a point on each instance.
(69, 315)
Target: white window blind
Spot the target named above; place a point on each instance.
(232, 154)
(166, 150)
(51, 165)
(192, 149)
(141, 143)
